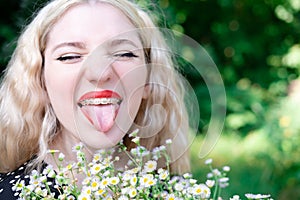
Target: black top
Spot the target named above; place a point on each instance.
(8, 180)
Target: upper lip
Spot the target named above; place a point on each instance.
(107, 95)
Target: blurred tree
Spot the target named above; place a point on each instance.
(8, 29)
(247, 39)
(14, 14)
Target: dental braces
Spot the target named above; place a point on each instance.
(99, 101)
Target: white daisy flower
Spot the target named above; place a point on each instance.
(132, 192)
(257, 196)
(114, 180)
(163, 174)
(99, 192)
(201, 190)
(169, 141)
(226, 168)
(96, 168)
(208, 161)
(97, 157)
(71, 197)
(145, 179)
(19, 185)
(235, 197)
(104, 183)
(133, 180)
(178, 187)
(171, 197)
(192, 181)
(210, 183)
(123, 197)
(187, 175)
(84, 197)
(87, 190)
(95, 184)
(150, 166)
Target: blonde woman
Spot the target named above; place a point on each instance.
(88, 71)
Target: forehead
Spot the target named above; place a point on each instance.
(90, 20)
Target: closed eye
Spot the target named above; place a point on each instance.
(125, 56)
(129, 54)
(69, 58)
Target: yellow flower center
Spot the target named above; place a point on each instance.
(97, 168)
(198, 191)
(151, 182)
(94, 184)
(150, 165)
(100, 191)
(105, 182)
(133, 180)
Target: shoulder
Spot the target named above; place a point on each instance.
(8, 181)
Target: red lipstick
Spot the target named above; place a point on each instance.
(100, 94)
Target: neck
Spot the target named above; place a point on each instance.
(64, 143)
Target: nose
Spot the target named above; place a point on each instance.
(99, 76)
(98, 69)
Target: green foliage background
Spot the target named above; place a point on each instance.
(255, 44)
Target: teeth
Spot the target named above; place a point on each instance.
(99, 101)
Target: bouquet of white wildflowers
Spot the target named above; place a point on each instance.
(141, 178)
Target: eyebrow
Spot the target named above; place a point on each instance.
(118, 42)
(79, 45)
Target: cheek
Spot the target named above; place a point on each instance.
(132, 76)
(133, 80)
(60, 85)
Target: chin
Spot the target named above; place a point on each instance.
(107, 140)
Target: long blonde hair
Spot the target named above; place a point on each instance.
(28, 123)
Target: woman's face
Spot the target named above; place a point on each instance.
(95, 74)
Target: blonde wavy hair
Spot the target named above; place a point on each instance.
(28, 123)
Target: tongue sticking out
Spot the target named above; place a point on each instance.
(102, 117)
